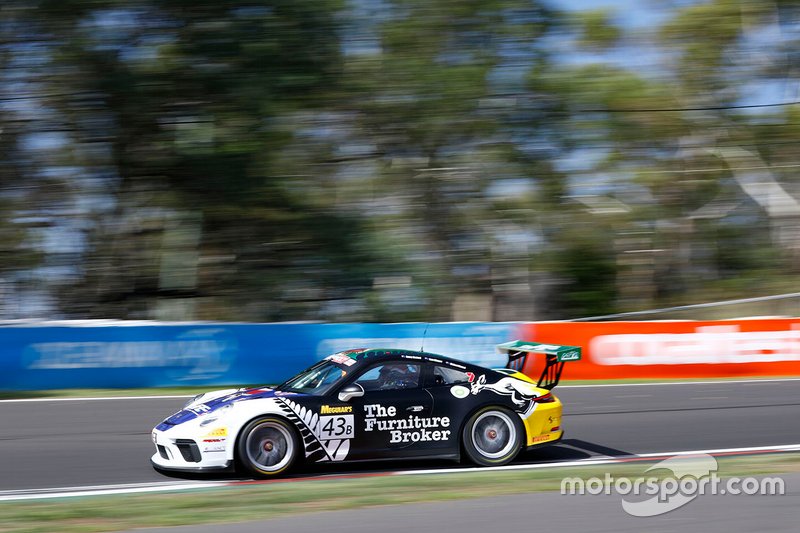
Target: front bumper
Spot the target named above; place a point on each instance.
(158, 464)
(184, 452)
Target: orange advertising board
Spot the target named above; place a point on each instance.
(674, 349)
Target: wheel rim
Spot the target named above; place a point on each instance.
(269, 446)
(493, 434)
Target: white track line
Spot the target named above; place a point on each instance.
(97, 398)
(606, 460)
(743, 451)
(110, 491)
(169, 486)
(172, 483)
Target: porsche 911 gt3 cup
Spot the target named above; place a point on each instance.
(371, 404)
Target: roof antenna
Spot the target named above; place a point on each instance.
(422, 347)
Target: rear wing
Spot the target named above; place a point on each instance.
(556, 356)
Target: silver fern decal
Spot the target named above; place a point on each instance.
(317, 447)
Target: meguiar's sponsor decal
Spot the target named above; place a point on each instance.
(335, 409)
(405, 430)
(459, 392)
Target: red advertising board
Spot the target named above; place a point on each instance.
(675, 349)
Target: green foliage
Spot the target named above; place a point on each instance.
(597, 29)
(327, 160)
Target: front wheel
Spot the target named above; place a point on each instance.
(267, 446)
(493, 436)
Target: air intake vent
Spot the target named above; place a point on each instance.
(162, 451)
(189, 450)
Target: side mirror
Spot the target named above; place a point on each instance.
(351, 391)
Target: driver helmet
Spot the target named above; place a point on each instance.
(397, 375)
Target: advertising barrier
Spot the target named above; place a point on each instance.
(97, 354)
(675, 349)
(134, 354)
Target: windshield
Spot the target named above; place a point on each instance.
(316, 381)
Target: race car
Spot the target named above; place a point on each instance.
(371, 404)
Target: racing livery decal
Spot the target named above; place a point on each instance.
(351, 407)
(325, 438)
(459, 391)
(522, 394)
(342, 359)
(403, 430)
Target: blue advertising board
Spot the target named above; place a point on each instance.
(132, 355)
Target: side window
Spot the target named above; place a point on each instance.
(444, 375)
(390, 376)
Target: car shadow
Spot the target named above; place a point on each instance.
(566, 450)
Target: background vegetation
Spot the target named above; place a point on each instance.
(387, 160)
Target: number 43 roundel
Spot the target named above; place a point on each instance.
(336, 427)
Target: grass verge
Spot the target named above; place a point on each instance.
(254, 502)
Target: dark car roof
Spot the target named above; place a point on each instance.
(371, 355)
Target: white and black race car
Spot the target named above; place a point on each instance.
(370, 404)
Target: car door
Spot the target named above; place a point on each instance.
(391, 416)
(450, 389)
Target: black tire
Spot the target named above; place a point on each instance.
(493, 436)
(268, 446)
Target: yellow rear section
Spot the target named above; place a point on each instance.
(544, 424)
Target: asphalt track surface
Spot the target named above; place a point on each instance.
(50, 444)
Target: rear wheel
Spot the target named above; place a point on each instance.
(493, 436)
(268, 446)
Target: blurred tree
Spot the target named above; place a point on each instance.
(393, 160)
(438, 108)
(671, 143)
(175, 107)
(22, 186)
(597, 28)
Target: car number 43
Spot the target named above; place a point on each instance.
(336, 427)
